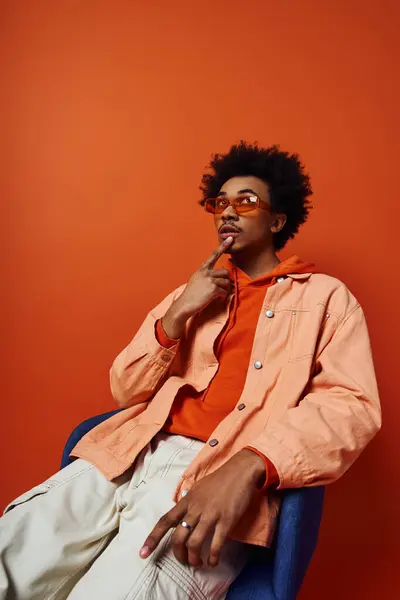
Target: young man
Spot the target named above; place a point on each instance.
(255, 376)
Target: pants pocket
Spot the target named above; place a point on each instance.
(38, 490)
(73, 470)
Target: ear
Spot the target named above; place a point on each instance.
(278, 223)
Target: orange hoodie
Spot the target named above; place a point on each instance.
(197, 414)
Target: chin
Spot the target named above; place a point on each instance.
(235, 249)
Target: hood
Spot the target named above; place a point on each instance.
(291, 267)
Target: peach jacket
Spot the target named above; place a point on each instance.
(310, 398)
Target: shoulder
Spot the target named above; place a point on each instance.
(327, 282)
(333, 294)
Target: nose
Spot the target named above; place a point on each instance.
(229, 214)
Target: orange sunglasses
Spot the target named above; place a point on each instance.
(240, 204)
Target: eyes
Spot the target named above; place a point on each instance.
(223, 202)
(243, 203)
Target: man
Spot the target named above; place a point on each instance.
(255, 376)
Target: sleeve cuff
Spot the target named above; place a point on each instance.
(162, 337)
(272, 477)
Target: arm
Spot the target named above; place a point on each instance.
(140, 367)
(316, 442)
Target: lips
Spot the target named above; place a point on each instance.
(225, 235)
(228, 229)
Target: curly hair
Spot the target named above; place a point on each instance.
(288, 183)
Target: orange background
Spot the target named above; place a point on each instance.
(111, 111)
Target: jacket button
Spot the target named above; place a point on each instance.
(258, 364)
(241, 406)
(165, 357)
(269, 314)
(213, 442)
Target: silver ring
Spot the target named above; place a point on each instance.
(186, 525)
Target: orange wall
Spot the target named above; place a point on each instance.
(110, 113)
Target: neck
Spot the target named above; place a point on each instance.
(257, 265)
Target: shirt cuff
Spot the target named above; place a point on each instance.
(162, 337)
(271, 477)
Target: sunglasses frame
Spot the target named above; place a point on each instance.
(231, 202)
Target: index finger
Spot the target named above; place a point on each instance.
(211, 260)
(170, 519)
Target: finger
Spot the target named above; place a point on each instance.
(225, 284)
(223, 273)
(181, 536)
(221, 293)
(211, 260)
(196, 541)
(218, 540)
(170, 519)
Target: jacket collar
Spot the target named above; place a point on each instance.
(299, 275)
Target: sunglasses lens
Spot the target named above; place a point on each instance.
(210, 206)
(244, 208)
(216, 205)
(241, 204)
(245, 204)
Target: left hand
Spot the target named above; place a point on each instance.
(213, 507)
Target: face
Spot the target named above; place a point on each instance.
(255, 228)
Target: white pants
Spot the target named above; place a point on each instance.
(78, 535)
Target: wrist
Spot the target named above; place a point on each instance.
(180, 310)
(174, 320)
(254, 466)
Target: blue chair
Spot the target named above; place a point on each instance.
(275, 574)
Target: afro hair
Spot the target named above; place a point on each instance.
(288, 183)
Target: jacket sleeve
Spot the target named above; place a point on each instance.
(315, 442)
(144, 363)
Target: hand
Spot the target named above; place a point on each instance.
(212, 508)
(204, 286)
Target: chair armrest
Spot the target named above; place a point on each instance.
(297, 538)
(280, 578)
(254, 583)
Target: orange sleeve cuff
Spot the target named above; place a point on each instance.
(272, 477)
(162, 337)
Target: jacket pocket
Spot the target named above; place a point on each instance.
(305, 329)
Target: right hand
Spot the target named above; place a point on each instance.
(204, 286)
(207, 284)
